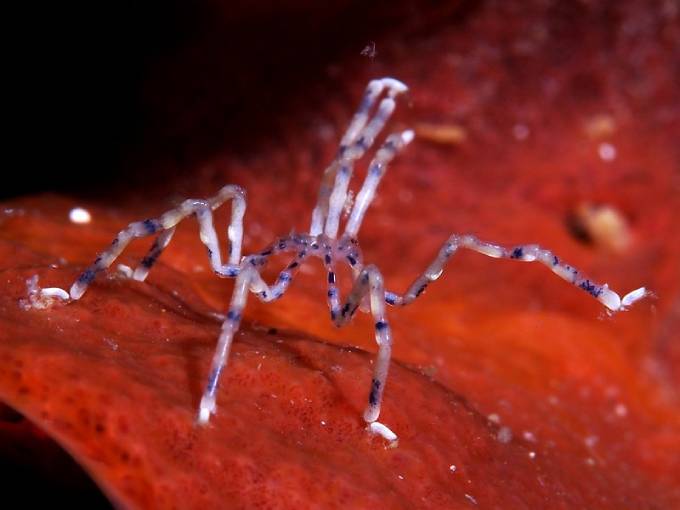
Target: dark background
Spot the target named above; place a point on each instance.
(100, 92)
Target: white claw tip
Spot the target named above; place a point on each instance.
(379, 429)
(394, 85)
(55, 292)
(206, 408)
(634, 296)
(203, 416)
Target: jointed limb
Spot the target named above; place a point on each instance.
(165, 226)
(370, 282)
(525, 253)
(229, 328)
(358, 138)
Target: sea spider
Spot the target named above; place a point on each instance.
(323, 242)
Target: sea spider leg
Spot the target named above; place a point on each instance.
(248, 278)
(525, 253)
(376, 170)
(358, 138)
(268, 293)
(159, 244)
(349, 154)
(370, 282)
(229, 328)
(167, 222)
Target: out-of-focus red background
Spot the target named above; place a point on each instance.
(541, 122)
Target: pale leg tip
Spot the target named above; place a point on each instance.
(206, 408)
(378, 429)
(76, 291)
(371, 414)
(634, 296)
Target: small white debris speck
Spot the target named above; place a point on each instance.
(529, 436)
(323, 423)
(620, 410)
(493, 417)
(606, 151)
(379, 429)
(471, 498)
(504, 435)
(400, 477)
(452, 468)
(591, 441)
(520, 131)
(532, 455)
(79, 216)
(111, 343)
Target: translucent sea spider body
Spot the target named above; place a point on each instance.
(323, 242)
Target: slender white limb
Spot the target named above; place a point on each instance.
(230, 326)
(358, 138)
(382, 430)
(376, 170)
(268, 293)
(165, 225)
(525, 253)
(370, 282)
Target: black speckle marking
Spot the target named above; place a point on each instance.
(364, 278)
(293, 265)
(282, 245)
(147, 262)
(302, 254)
(390, 299)
(86, 277)
(233, 272)
(380, 325)
(272, 331)
(517, 253)
(212, 380)
(327, 259)
(377, 170)
(284, 277)
(351, 260)
(151, 226)
(334, 314)
(115, 242)
(314, 246)
(263, 294)
(331, 277)
(345, 309)
(266, 252)
(421, 289)
(555, 260)
(332, 292)
(233, 316)
(375, 390)
(590, 288)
